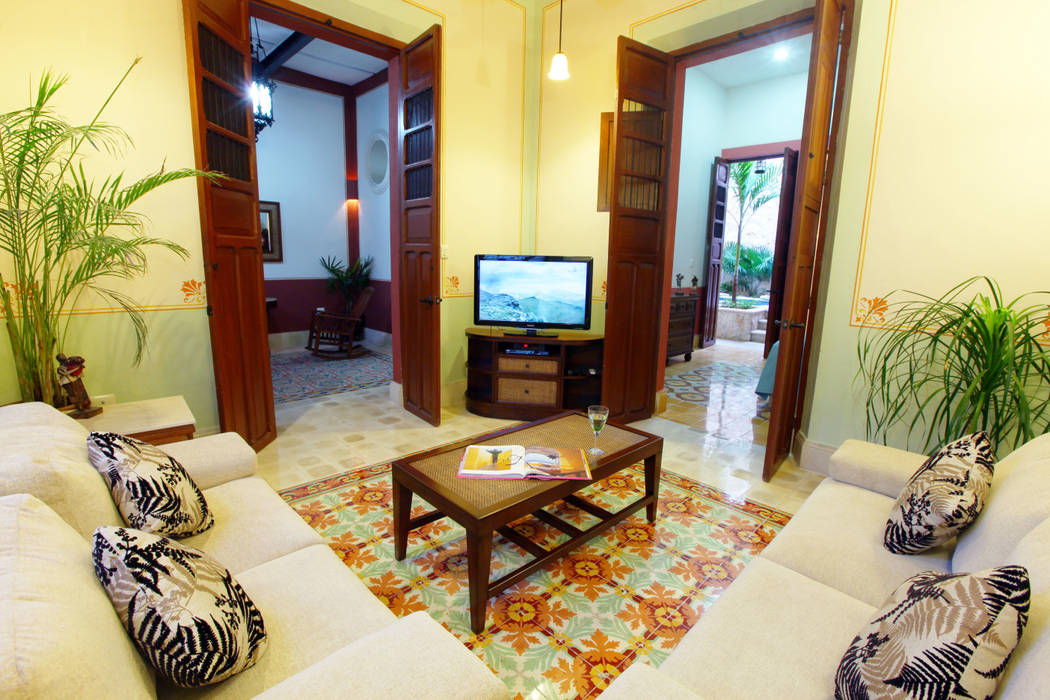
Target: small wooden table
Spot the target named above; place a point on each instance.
(485, 506)
(156, 421)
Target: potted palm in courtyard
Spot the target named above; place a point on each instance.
(64, 234)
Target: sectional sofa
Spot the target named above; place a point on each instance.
(328, 635)
(782, 626)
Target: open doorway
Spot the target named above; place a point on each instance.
(326, 239)
(739, 115)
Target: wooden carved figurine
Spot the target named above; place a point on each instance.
(695, 280)
(69, 371)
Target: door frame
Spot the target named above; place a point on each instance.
(746, 39)
(300, 18)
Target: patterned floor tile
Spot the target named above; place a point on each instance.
(569, 629)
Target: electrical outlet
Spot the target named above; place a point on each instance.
(104, 399)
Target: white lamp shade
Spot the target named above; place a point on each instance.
(559, 67)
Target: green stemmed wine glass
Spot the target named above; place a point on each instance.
(597, 415)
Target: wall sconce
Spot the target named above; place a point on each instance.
(351, 190)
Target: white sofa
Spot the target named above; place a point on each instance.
(781, 628)
(328, 635)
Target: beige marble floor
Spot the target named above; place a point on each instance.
(329, 435)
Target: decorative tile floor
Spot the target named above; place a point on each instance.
(714, 392)
(298, 374)
(569, 629)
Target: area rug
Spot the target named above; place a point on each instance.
(299, 375)
(696, 385)
(567, 630)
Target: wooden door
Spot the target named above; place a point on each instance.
(780, 248)
(637, 275)
(716, 228)
(809, 219)
(218, 48)
(419, 112)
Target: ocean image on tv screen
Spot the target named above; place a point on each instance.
(536, 291)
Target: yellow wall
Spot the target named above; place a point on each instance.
(943, 175)
(485, 171)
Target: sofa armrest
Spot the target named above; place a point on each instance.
(414, 657)
(641, 680)
(874, 467)
(214, 459)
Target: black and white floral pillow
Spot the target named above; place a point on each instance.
(151, 489)
(939, 636)
(945, 495)
(182, 609)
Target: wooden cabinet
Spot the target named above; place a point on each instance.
(530, 377)
(680, 326)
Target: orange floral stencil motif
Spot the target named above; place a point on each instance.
(452, 283)
(873, 309)
(1046, 328)
(193, 292)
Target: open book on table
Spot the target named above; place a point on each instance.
(517, 462)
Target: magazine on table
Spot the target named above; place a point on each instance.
(517, 462)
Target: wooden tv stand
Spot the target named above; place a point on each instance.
(564, 374)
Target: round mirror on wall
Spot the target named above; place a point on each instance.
(377, 162)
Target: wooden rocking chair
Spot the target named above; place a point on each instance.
(332, 334)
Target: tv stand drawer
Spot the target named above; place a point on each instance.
(532, 365)
(543, 392)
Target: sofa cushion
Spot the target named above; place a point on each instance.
(184, 610)
(1019, 501)
(441, 668)
(836, 538)
(313, 606)
(152, 491)
(774, 633)
(61, 638)
(938, 635)
(641, 680)
(252, 525)
(1028, 673)
(44, 454)
(945, 495)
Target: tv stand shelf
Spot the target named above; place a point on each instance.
(530, 377)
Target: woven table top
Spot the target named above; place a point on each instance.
(482, 495)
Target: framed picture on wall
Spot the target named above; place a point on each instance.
(270, 228)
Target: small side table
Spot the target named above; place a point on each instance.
(156, 421)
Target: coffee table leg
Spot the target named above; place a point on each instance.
(652, 485)
(402, 511)
(479, 552)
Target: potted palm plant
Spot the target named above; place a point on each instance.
(941, 367)
(65, 233)
(348, 280)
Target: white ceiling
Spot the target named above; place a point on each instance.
(320, 58)
(758, 64)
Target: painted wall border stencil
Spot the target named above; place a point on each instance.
(868, 312)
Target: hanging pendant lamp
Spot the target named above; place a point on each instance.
(559, 62)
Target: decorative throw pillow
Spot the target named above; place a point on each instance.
(945, 495)
(939, 636)
(152, 491)
(182, 609)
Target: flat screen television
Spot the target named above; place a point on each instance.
(533, 291)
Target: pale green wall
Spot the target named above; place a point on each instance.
(715, 118)
(703, 122)
(764, 112)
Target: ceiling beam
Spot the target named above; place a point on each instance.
(280, 55)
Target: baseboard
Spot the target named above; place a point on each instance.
(660, 401)
(814, 456)
(288, 340)
(454, 393)
(396, 397)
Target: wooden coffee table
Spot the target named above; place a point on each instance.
(486, 506)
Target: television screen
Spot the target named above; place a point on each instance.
(532, 291)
